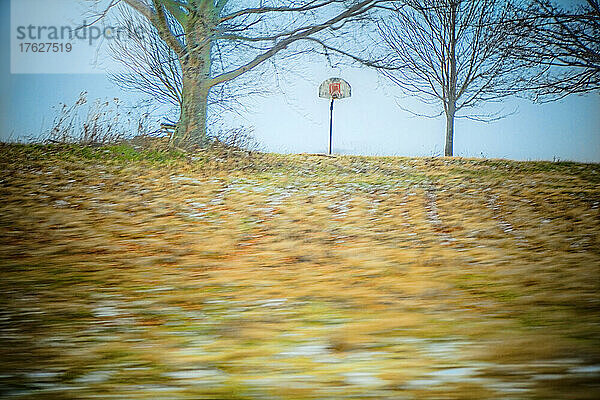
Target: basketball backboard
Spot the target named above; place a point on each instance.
(335, 88)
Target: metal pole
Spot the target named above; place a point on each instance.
(330, 124)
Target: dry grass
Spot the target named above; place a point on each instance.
(149, 274)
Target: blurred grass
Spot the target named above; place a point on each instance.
(136, 271)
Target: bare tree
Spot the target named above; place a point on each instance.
(217, 41)
(565, 43)
(148, 65)
(453, 53)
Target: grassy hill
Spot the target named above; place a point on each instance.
(144, 274)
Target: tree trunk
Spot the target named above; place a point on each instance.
(451, 106)
(195, 69)
(449, 149)
(191, 128)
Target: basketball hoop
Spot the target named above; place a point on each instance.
(334, 88)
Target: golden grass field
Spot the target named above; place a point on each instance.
(141, 275)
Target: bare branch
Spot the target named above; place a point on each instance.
(293, 36)
(311, 5)
(564, 43)
(142, 8)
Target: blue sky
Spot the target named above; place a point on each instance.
(295, 120)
